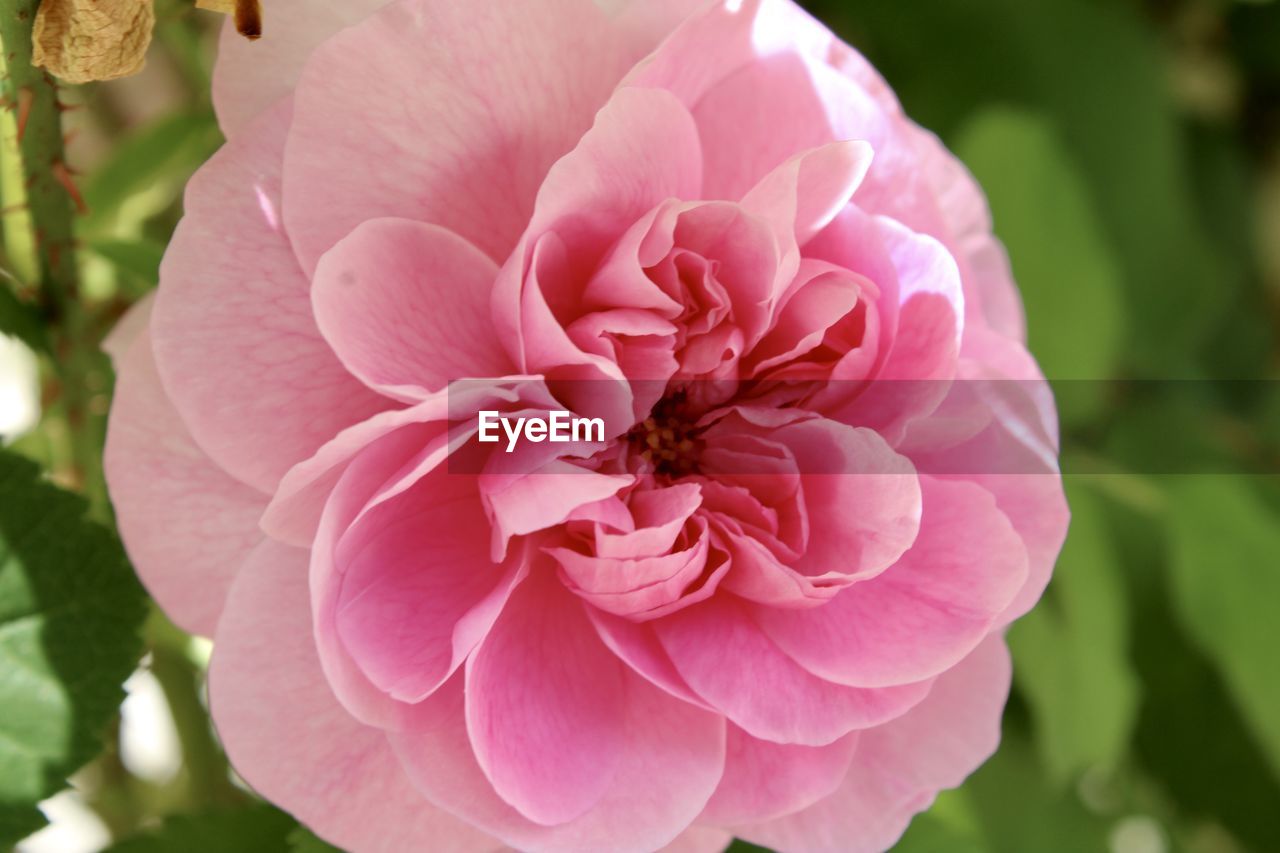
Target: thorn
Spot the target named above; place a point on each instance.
(25, 97)
(67, 108)
(66, 140)
(63, 176)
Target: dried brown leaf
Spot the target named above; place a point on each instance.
(84, 40)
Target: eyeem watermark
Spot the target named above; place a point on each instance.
(559, 428)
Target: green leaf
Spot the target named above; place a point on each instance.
(1226, 585)
(255, 829)
(1103, 78)
(137, 260)
(19, 822)
(1060, 259)
(740, 846)
(1070, 653)
(1190, 736)
(1017, 812)
(21, 320)
(303, 840)
(70, 614)
(930, 834)
(158, 158)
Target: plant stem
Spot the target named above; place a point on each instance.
(33, 95)
(208, 773)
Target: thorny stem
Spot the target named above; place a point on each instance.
(51, 199)
(33, 95)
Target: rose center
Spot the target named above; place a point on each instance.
(669, 438)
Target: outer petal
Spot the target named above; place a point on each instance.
(136, 321)
(251, 76)
(762, 690)
(671, 760)
(902, 765)
(406, 307)
(992, 296)
(764, 780)
(235, 338)
(290, 739)
(700, 839)
(186, 525)
(1015, 456)
(500, 91)
(927, 611)
(726, 36)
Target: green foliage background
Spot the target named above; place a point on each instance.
(1131, 152)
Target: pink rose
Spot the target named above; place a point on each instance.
(769, 603)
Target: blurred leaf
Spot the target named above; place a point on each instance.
(1060, 259)
(1255, 32)
(70, 614)
(1190, 737)
(1070, 653)
(740, 846)
(21, 320)
(1140, 439)
(929, 834)
(137, 260)
(1018, 813)
(1226, 585)
(160, 155)
(303, 840)
(19, 821)
(256, 829)
(1101, 76)
(1225, 184)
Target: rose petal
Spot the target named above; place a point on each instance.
(924, 613)
(761, 689)
(427, 70)
(187, 526)
(248, 78)
(418, 590)
(406, 308)
(234, 312)
(292, 742)
(671, 755)
(901, 766)
(642, 150)
(764, 780)
(804, 194)
(544, 706)
(754, 120)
